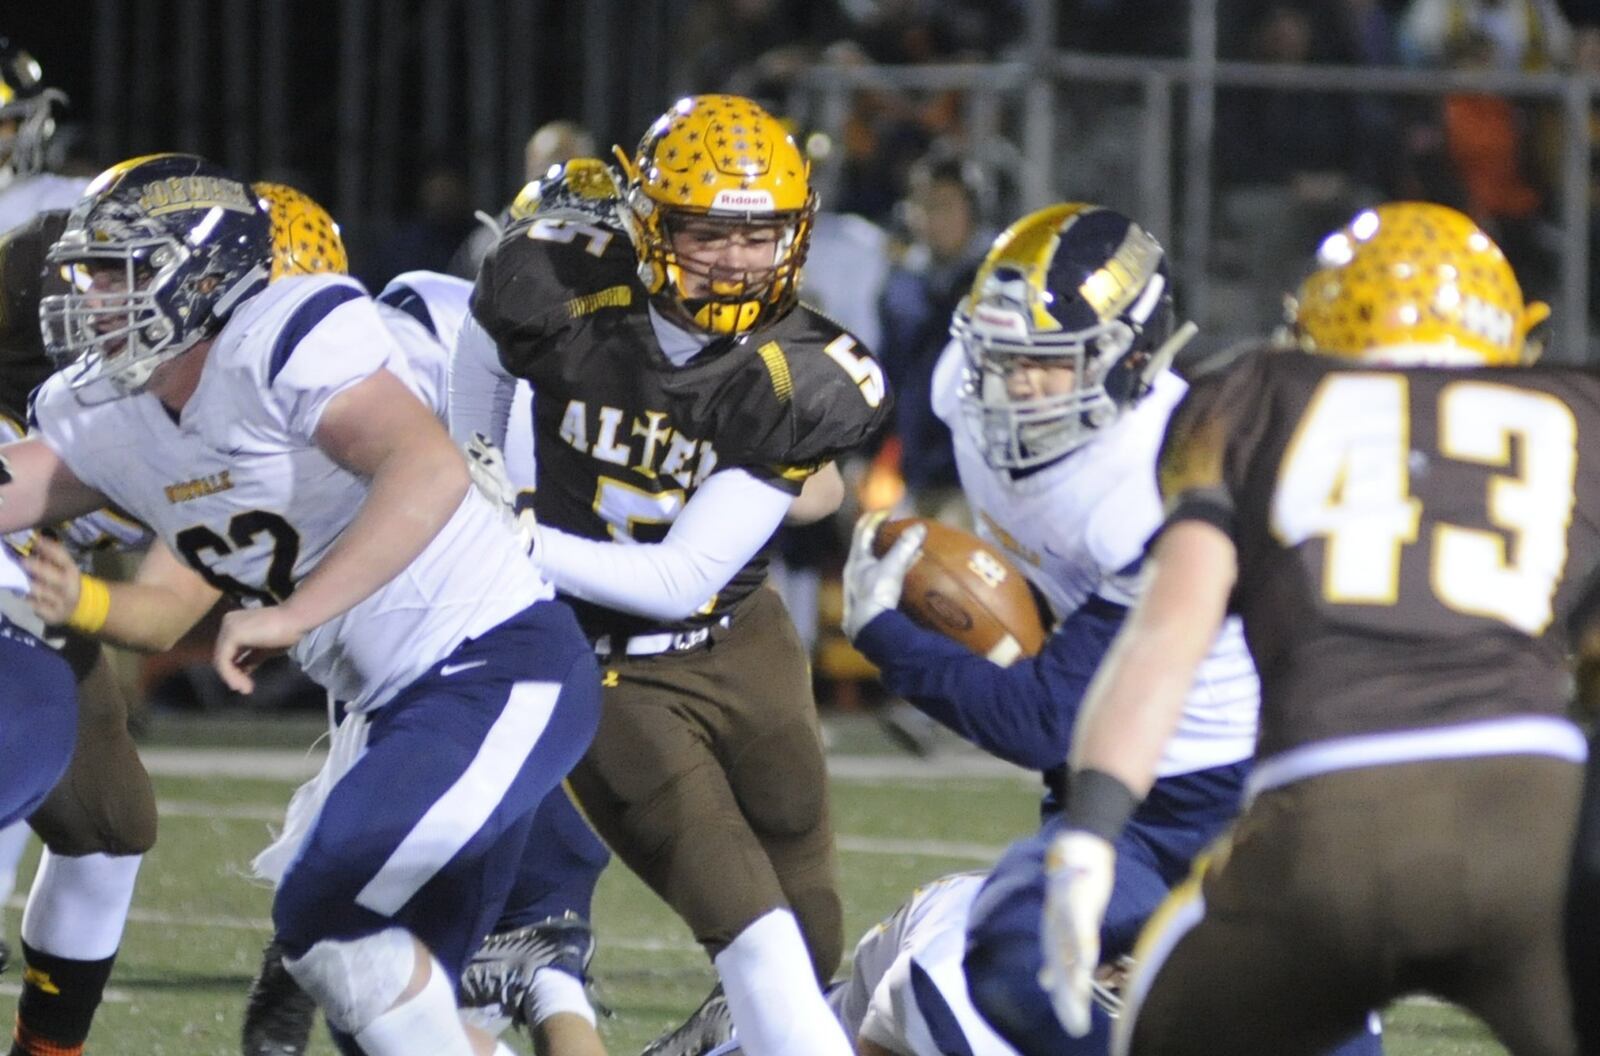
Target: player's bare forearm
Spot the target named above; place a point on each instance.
(163, 601)
(1137, 697)
(37, 488)
(820, 496)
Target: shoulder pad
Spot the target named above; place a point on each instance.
(828, 392)
(544, 263)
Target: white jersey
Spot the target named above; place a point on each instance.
(926, 938)
(22, 200)
(237, 486)
(424, 311)
(1078, 527)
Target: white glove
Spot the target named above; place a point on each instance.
(872, 584)
(487, 464)
(1078, 872)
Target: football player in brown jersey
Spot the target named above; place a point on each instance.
(682, 397)
(101, 817)
(1402, 511)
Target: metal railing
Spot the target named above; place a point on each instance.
(1175, 180)
(363, 93)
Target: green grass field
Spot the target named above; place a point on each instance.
(198, 924)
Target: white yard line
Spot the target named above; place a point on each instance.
(288, 764)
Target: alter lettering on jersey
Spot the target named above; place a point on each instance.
(661, 450)
(680, 451)
(200, 487)
(653, 434)
(575, 425)
(589, 303)
(606, 447)
(195, 192)
(1007, 540)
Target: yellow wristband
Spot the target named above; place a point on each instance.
(94, 603)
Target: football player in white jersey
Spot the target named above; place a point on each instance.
(906, 993)
(100, 819)
(268, 436)
(27, 121)
(1057, 392)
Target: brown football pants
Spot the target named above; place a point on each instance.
(1340, 893)
(707, 778)
(104, 802)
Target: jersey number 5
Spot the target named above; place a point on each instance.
(863, 369)
(1346, 478)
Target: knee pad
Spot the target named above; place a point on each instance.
(780, 781)
(104, 803)
(356, 981)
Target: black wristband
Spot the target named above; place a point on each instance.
(1098, 803)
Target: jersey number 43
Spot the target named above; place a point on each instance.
(1346, 477)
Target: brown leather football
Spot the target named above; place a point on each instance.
(963, 588)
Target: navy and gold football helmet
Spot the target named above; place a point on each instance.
(1072, 285)
(27, 119)
(158, 253)
(720, 159)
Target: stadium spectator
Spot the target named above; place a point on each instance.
(1523, 34)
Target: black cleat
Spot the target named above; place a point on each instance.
(706, 1030)
(495, 986)
(279, 1015)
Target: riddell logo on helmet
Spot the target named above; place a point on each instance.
(1000, 321)
(748, 201)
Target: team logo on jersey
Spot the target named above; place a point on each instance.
(200, 487)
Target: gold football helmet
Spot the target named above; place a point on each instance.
(305, 239)
(1414, 282)
(719, 160)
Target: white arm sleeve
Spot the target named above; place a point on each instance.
(722, 526)
(480, 387)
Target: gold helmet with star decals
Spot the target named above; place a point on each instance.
(1414, 282)
(305, 239)
(712, 172)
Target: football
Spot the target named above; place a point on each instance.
(963, 588)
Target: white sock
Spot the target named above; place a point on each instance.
(426, 1023)
(553, 991)
(13, 842)
(79, 906)
(772, 993)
